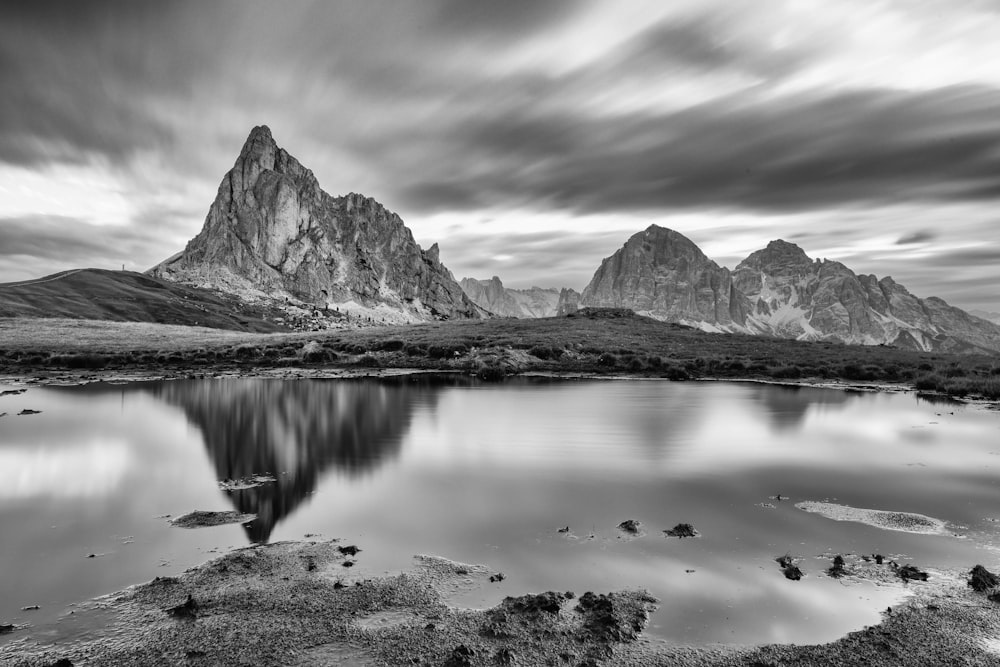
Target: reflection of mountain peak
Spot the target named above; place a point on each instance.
(293, 430)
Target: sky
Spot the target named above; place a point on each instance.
(528, 138)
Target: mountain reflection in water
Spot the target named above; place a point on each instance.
(295, 431)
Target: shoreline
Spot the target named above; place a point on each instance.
(293, 603)
(38, 377)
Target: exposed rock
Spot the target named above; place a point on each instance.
(630, 526)
(982, 580)
(188, 609)
(789, 568)
(273, 231)
(507, 302)
(838, 569)
(569, 302)
(989, 316)
(663, 274)
(794, 296)
(911, 573)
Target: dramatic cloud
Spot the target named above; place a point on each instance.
(793, 153)
(866, 132)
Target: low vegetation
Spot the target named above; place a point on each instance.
(493, 349)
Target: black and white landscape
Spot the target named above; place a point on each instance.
(459, 332)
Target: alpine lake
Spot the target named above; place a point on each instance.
(536, 478)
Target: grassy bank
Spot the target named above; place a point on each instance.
(601, 344)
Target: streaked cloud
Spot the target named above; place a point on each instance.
(854, 128)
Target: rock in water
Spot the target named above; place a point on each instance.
(273, 231)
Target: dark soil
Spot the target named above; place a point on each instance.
(682, 530)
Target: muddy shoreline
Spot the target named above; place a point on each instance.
(293, 603)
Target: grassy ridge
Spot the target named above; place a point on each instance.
(596, 343)
(126, 296)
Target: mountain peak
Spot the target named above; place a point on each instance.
(666, 245)
(272, 229)
(260, 145)
(777, 253)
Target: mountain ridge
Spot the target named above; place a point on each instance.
(504, 301)
(778, 290)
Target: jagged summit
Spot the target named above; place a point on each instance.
(273, 232)
(779, 257)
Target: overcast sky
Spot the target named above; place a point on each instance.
(529, 138)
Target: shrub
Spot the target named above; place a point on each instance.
(314, 353)
(855, 372)
(247, 351)
(676, 373)
(786, 372)
(607, 360)
(541, 351)
(415, 350)
(87, 360)
(931, 382)
(446, 351)
(491, 373)
(635, 364)
(393, 345)
(368, 361)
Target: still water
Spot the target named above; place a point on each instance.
(489, 474)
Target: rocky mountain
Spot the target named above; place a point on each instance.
(779, 291)
(569, 301)
(272, 231)
(507, 302)
(663, 274)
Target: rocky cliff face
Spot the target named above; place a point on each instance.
(569, 302)
(273, 230)
(797, 297)
(779, 291)
(661, 273)
(506, 302)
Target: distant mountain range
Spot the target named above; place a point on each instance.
(521, 303)
(778, 291)
(276, 251)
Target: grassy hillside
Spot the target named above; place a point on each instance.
(125, 296)
(593, 344)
